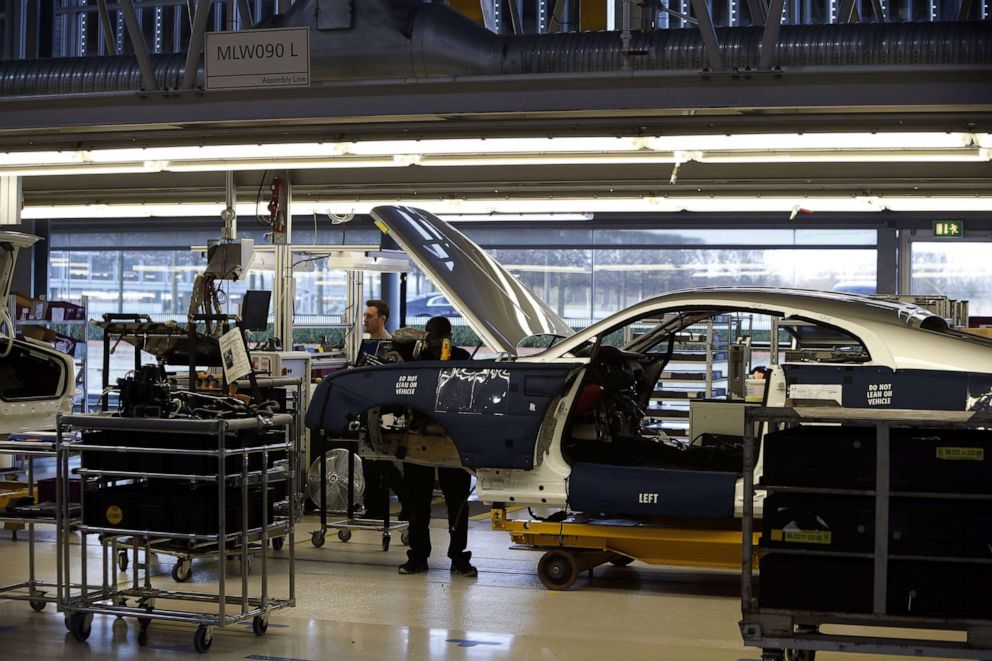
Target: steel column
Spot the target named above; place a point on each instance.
(887, 262)
(905, 262)
(11, 198)
(140, 48)
(283, 286)
(708, 34)
(196, 43)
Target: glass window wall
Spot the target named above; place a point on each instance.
(957, 270)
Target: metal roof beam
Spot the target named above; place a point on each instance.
(769, 38)
(148, 81)
(196, 38)
(708, 33)
(105, 25)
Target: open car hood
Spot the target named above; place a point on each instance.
(498, 307)
(10, 245)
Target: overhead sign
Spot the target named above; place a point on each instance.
(258, 58)
(948, 229)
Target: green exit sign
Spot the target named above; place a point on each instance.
(948, 229)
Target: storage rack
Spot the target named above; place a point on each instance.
(693, 372)
(38, 593)
(79, 610)
(82, 360)
(781, 631)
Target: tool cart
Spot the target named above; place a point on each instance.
(25, 510)
(872, 518)
(195, 481)
(345, 526)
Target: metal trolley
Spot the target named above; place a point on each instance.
(38, 593)
(345, 526)
(239, 535)
(795, 635)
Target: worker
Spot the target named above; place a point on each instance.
(455, 483)
(376, 500)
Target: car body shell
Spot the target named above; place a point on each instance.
(51, 373)
(508, 420)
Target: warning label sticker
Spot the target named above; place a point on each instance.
(961, 454)
(801, 536)
(879, 394)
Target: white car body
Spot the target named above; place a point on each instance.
(584, 406)
(36, 381)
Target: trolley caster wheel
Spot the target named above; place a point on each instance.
(122, 561)
(772, 655)
(80, 625)
(405, 537)
(37, 605)
(182, 570)
(800, 655)
(278, 543)
(620, 561)
(260, 624)
(385, 542)
(344, 535)
(317, 539)
(557, 570)
(203, 638)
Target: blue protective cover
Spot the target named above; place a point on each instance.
(492, 410)
(868, 386)
(651, 491)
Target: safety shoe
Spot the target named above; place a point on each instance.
(464, 568)
(411, 567)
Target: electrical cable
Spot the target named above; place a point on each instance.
(258, 200)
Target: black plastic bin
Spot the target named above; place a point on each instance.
(819, 523)
(171, 507)
(188, 464)
(831, 457)
(808, 583)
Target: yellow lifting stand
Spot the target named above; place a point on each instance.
(572, 547)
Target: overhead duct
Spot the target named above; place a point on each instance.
(409, 39)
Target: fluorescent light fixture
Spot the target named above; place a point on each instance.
(544, 268)
(287, 164)
(739, 148)
(813, 141)
(535, 209)
(844, 156)
(496, 146)
(939, 204)
(513, 217)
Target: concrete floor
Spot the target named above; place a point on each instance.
(352, 604)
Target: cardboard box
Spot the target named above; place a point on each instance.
(23, 307)
(40, 307)
(58, 311)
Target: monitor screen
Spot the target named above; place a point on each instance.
(255, 310)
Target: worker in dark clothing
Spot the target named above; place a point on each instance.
(455, 483)
(377, 473)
